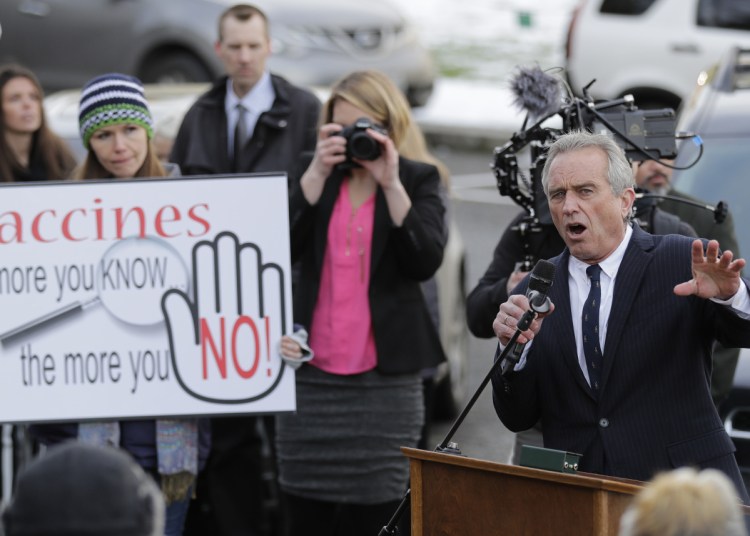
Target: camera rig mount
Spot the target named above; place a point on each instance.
(642, 134)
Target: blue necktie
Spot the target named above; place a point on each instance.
(590, 328)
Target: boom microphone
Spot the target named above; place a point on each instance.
(720, 211)
(537, 92)
(540, 281)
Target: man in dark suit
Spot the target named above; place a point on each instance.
(619, 369)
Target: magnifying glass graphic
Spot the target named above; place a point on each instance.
(131, 278)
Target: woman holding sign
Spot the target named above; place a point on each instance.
(29, 150)
(367, 226)
(116, 129)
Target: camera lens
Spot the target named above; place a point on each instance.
(363, 146)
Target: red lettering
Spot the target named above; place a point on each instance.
(66, 224)
(220, 358)
(35, 226)
(161, 219)
(15, 226)
(121, 222)
(103, 223)
(192, 214)
(99, 220)
(240, 322)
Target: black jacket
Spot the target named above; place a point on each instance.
(280, 136)
(405, 336)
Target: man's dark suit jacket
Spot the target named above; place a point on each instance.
(654, 411)
(405, 336)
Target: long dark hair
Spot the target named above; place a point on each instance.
(55, 154)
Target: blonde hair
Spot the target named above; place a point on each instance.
(685, 502)
(241, 12)
(373, 93)
(414, 147)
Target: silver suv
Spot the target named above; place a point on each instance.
(314, 43)
(652, 49)
(719, 111)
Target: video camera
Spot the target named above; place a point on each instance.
(642, 134)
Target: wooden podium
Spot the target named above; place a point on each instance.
(459, 496)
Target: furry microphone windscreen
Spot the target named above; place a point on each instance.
(536, 92)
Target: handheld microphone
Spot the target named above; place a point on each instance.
(540, 282)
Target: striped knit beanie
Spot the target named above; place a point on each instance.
(112, 99)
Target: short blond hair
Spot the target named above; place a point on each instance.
(242, 12)
(685, 502)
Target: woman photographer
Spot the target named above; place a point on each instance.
(365, 232)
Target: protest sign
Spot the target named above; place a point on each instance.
(144, 298)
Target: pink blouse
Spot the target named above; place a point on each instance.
(341, 332)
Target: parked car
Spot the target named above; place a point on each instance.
(652, 49)
(314, 43)
(719, 111)
(170, 102)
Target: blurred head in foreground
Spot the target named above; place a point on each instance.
(685, 502)
(79, 490)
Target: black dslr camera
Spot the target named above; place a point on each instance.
(359, 144)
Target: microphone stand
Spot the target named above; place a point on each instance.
(450, 448)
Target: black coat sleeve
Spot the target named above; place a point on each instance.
(419, 242)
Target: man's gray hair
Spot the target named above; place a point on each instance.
(619, 171)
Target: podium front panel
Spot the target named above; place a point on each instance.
(458, 496)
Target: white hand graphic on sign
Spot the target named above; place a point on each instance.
(223, 341)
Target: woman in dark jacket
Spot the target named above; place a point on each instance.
(29, 150)
(366, 231)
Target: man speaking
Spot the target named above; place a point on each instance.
(619, 369)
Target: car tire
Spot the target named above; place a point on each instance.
(450, 393)
(174, 67)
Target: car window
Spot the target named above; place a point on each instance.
(727, 160)
(733, 14)
(625, 7)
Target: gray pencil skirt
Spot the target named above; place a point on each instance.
(343, 443)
